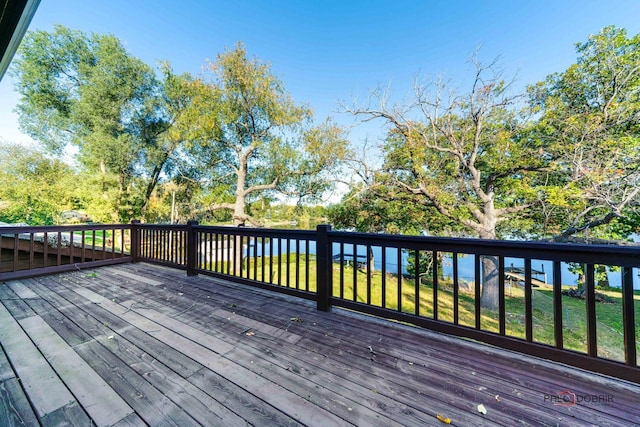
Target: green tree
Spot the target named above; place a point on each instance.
(248, 138)
(465, 156)
(87, 91)
(35, 188)
(589, 118)
(380, 209)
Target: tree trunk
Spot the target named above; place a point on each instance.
(490, 273)
(239, 215)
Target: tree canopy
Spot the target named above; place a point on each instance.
(248, 138)
(461, 155)
(86, 91)
(35, 188)
(589, 119)
(563, 165)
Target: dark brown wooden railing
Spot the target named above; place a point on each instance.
(436, 283)
(26, 251)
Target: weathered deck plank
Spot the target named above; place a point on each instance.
(46, 391)
(181, 350)
(103, 404)
(268, 391)
(15, 409)
(510, 406)
(375, 380)
(223, 398)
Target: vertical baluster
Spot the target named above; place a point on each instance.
(557, 304)
(590, 300)
(262, 256)
(180, 246)
(104, 244)
(297, 263)
(306, 266)
(355, 272)
(165, 245)
(228, 254)
(82, 247)
(279, 261)
(240, 254)
(16, 251)
(528, 309)
(31, 251)
(45, 249)
(399, 296)
(255, 258)
(501, 301)
(288, 263)
(628, 321)
(435, 284)
(476, 290)
(383, 272)
(93, 244)
(416, 283)
(341, 270)
(455, 287)
(217, 253)
(71, 247)
(369, 273)
(271, 240)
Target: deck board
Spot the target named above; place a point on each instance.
(178, 350)
(103, 404)
(455, 386)
(374, 385)
(45, 389)
(15, 409)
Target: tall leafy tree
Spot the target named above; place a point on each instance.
(465, 157)
(589, 116)
(35, 188)
(248, 138)
(87, 91)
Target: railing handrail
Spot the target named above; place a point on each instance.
(59, 228)
(260, 232)
(620, 255)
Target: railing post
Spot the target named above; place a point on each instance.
(628, 321)
(324, 273)
(135, 240)
(192, 246)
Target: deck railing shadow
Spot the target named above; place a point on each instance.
(435, 283)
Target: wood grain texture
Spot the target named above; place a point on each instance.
(197, 351)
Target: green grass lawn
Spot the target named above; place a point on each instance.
(609, 316)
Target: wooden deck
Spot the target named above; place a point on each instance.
(138, 344)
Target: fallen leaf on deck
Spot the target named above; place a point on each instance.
(482, 409)
(498, 397)
(444, 419)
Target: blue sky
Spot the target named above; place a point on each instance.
(328, 51)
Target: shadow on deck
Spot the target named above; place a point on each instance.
(137, 344)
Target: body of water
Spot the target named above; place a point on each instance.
(465, 262)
